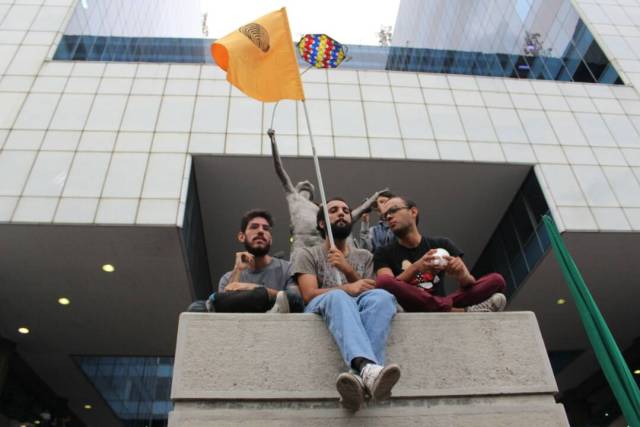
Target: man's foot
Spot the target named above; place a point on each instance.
(282, 303)
(496, 302)
(351, 389)
(379, 380)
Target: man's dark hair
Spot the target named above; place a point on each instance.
(410, 204)
(254, 213)
(320, 216)
(387, 194)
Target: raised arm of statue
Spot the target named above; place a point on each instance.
(277, 162)
(357, 212)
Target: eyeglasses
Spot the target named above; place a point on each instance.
(393, 210)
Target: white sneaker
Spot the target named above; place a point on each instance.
(379, 380)
(496, 302)
(351, 389)
(282, 303)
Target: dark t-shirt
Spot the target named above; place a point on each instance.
(398, 258)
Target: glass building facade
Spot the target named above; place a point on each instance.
(136, 388)
(536, 39)
(520, 239)
(529, 39)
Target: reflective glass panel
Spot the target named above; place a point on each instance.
(136, 388)
(527, 39)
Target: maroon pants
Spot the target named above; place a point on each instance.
(413, 298)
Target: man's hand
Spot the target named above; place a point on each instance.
(337, 259)
(456, 268)
(239, 286)
(426, 263)
(359, 286)
(244, 260)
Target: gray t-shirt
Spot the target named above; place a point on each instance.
(313, 260)
(277, 275)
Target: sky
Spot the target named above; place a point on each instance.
(347, 21)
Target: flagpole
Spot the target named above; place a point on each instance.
(323, 197)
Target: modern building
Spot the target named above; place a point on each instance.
(126, 161)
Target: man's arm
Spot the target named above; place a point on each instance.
(337, 260)
(455, 265)
(357, 212)
(384, 271)
(277, 162)
(308, 284)
(456, 268)
(422, 265)
(231, 282)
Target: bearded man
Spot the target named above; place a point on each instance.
(258, 281)
(357, 315)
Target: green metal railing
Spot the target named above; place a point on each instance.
(607, 352)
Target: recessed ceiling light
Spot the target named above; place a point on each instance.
(23, 330)
(36, 422)
(87, 406)
(637, 372)
(561, 301)
(108, 268)
(64, 301)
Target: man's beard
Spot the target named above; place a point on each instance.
(341, 231)
(401, 232)
(257, 251)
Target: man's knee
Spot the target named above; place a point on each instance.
(385, 281)
(381, 298)
(338, 299)
(337, 296)
(497, 281)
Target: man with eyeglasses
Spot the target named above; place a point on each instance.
(336, 283)
(258, 282)
(414, 266)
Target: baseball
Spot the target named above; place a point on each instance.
(439, 257)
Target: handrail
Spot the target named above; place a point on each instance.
(604, 345)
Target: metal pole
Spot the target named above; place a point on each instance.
(323, 197)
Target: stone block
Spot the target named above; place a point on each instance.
(480, 369)
(265, 356)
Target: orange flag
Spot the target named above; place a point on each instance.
(259, 59)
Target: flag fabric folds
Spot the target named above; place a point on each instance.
(260, 60)
(607, 352)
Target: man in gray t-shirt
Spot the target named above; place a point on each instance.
(315, 260)
(335, 282)
(258, 282)
(276, 275)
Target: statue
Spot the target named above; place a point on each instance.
(302, 209)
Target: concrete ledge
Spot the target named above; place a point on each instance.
(269, 357)
(529, 410)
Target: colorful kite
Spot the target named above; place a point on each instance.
(321, 51)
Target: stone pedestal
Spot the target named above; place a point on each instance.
(274, 369)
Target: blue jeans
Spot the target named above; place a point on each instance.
(360, 325)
